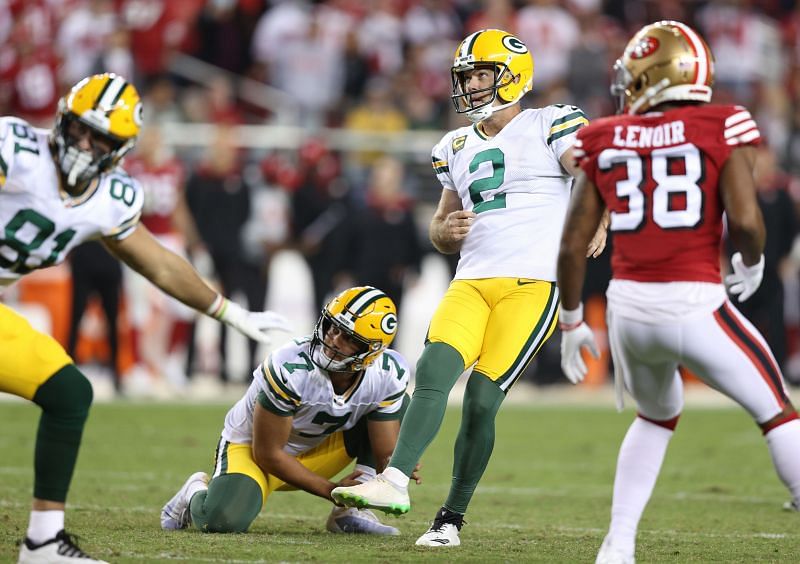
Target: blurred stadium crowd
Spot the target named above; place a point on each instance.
(310, 73)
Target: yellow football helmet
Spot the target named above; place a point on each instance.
(110, 108)
(367, 316)
(513, 72)
(665, 61)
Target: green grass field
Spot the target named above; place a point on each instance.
(544, 498)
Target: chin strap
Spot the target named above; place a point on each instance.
(486, 112)
(75, 164)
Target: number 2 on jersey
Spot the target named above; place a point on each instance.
(498, 160)
(668, 185)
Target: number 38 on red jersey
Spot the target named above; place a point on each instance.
(658, 174)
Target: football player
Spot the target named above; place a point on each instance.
(667, 169)
(506, 182)
(58, 189)
(314, 405)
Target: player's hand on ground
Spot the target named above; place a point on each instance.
(457, 224)
(572, 341)
(745, 280)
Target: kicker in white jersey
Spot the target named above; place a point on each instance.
(39, 222)
(517, 186)
(293, 385)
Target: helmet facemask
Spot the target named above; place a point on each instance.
(619, 86)
(79, 166)
(464, 100)
(329, 358)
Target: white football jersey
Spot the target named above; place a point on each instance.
(517, 186)
(290, 384)
(39, 222)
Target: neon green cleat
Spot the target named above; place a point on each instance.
(377, 493)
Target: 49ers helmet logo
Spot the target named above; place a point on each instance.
(646, 47)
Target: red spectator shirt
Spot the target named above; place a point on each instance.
(163, 188)
(658, 174)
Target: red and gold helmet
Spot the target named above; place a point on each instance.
(665, 61)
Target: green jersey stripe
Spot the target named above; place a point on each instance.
(568, 117)
(274, 381)
(564, 132)
(266, 402)
(394, 397)
(381, 416)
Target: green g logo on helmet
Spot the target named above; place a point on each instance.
(389, 323)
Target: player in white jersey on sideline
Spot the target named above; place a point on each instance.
(314, 405)
(506, 184)
(58, 189)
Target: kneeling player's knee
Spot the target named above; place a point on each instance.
(225, 520)
(230, 505)
(67, 394)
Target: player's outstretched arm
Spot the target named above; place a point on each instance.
(177, 277)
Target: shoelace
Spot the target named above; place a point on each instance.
(438, 524)
(68, 545)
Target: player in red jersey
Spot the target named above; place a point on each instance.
(161, 326)
(667, 171)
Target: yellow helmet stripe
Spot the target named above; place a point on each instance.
(111, 92)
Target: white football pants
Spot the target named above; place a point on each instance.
(722, 348)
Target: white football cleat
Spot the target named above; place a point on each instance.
(175, 514)
(61, 549)
(377, 493)
(444, 529)
(612, 554)
(442, 534)
(354, 520)
(791, 506)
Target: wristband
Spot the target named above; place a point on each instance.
(217, 307)
(570, 319)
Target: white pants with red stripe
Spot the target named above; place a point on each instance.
(721, 347)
